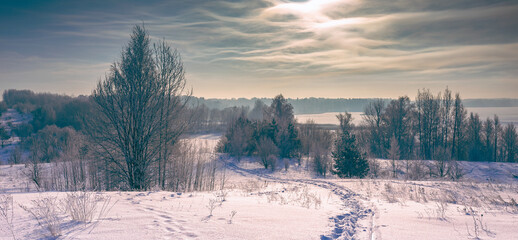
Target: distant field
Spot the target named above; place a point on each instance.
(506, 115)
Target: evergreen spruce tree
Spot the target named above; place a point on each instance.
(286, 135)
(348, 161)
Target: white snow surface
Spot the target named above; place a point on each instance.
(293, 204)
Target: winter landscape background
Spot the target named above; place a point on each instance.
(262, 119)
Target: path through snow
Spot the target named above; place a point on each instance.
(345, 225)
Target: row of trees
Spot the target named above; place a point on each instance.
(435, 127)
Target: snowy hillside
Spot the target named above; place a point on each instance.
(9, 120)
(253, 203)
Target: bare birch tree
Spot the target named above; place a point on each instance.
(139, 110)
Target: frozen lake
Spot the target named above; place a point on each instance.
(506, 115)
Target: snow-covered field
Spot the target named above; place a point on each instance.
(254, 203)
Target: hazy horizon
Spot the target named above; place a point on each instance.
(411, 96)
(260, 48)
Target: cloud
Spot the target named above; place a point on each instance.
(289, 43)
(369, 44)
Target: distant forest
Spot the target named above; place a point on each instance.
(323, 105)
(300, 105)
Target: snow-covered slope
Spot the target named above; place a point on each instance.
(257, 204)
(8, 120)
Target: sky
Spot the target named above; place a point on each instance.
(260, 48)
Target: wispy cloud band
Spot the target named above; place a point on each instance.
(288, 44)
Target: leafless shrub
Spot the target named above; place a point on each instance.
(374, 167)
(213, 204)
(293, 195)
(34, 172)
(476, 229)
(251, 186)
(103, 210)
(321, 161)
(419, 195)
(221, 195)
(272, 196)
(512, 206)
(478, 223)
(390, 193)
(7, 212)
(272, 162)
(80, 206)
(286, 164)
(394, 156)
(307, 199)
(193, 168)
(442, 207)
(455, 170)
(46, 212)
(417, 170)
(16, 156)
(231, 216)
(267, 151)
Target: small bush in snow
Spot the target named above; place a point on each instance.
(441, 210)
(221, 195)
(286, 164)
(231, 216)
(307, 199)
(45, 211)
(80, 206)
(7, 212)
(213, 204)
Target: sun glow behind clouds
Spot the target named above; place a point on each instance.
(309, 7)
(311, 10)
(332, 48)
(340, 22)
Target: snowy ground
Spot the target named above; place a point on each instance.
(10, 119)
(291, 204)
(263, 210)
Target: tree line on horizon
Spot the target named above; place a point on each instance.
(314, 105)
